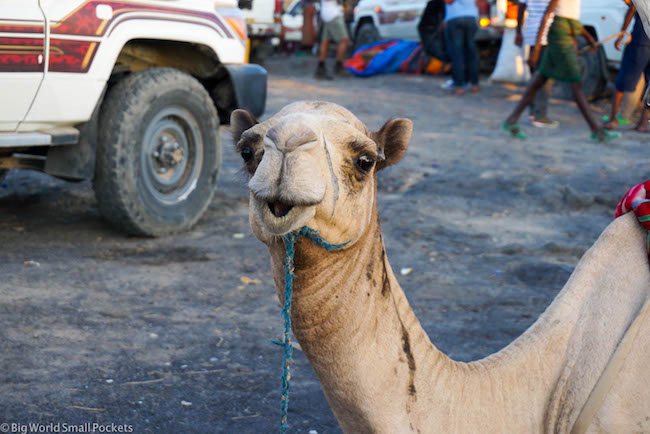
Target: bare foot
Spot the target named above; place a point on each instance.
(642, 128)
(611, 124)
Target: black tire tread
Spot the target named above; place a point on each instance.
(124, 101)
(367, 30)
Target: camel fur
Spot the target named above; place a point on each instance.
(316, 164)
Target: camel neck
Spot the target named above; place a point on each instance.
(351, 317)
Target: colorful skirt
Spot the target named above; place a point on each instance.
(560, 59)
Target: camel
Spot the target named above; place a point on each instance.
(315, 164)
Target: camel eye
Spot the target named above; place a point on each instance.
(365, 163)
(247, 154)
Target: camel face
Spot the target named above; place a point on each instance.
(314, 164)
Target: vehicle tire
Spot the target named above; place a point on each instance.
(594, 73)
(367, 34)
(158, 152)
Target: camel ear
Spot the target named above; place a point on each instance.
(393, 139)
(240, 121)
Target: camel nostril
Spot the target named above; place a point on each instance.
(279, 209)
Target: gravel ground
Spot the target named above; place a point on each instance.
(162, 336)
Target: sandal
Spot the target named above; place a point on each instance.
(621, 120)
(514, 130)
(604, 136)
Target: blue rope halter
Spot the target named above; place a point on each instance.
(290, 248)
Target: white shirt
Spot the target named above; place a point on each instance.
(536, 9)
(568, 9)
(330, 9)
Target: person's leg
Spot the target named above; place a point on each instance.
(455, 37)
(339, 34)
(532, 77)
(581, 101)
(471, 56)
(510, 124)
(598, 133)
(539, 107)
(537, 82)
(342, 49)
(642, 126)
(631, 100)
(632, 66)
(616, 105)
(324, 48)
(321, 69)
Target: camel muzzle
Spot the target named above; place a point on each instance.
(279, 209)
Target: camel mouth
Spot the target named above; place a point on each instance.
(280, 218)
(279, 209)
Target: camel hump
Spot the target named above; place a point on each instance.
(606, 291)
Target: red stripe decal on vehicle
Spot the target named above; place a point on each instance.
(21, 28)
(84, 22)
(71, 56)
(21, 55)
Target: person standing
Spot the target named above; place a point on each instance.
(461, 18)
(432, 31)
(636, 61)
(331, 13)
(536, 9)
(560, 62)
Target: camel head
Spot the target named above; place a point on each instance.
(315, 164)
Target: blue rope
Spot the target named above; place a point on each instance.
(290, 249)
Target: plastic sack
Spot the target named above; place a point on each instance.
(511, 63)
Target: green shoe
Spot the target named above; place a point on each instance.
(514, 130)
(621, 120)
(604, 136)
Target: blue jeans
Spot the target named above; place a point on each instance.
(462, 49)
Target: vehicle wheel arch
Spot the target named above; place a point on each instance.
(364, 20)
(198, 60)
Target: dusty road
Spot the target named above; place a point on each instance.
(163, 336)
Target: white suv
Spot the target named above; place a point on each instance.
(128, 93)
(375, 20)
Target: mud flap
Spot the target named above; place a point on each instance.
(249, 86)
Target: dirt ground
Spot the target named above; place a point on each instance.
(163, 336)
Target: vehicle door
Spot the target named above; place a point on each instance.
(22, 59)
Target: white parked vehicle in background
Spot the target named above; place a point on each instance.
(604, 18)
(386, 19)
(292, 21)
(375, 20)
(129, 94)
(263, 18)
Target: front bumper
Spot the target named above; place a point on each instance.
(249, 86)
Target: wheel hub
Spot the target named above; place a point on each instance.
(168, 154)
(172, 155)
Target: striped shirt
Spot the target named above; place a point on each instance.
(536, 9)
